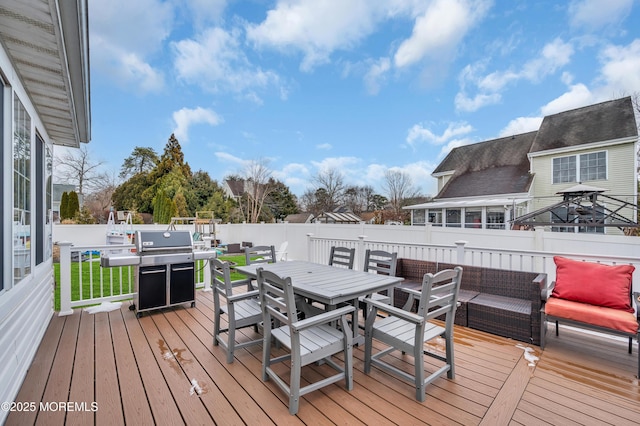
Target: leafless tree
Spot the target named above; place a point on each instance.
(257, 188)
(398, 186)
(77, 167)
(330, 183)
(99, 201)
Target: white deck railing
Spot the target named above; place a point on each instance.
(462, 253)
(83, 281)
(111, 284)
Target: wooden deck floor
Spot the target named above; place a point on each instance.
(116, 369)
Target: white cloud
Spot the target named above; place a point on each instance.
(343, 164)
(438, 31)
(465, 103)
(205, 11)
(325, 146)
(621, 67)
(124, 34)
(553, 56)
(418, 133)
(594, 14)
(376, 75)
(578, 96)
(214, 60)
(521, 125)
(185, 118)
(227, 158)
(315, 28)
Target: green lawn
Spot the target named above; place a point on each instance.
(112, 278)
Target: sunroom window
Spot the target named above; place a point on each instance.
(21, 191)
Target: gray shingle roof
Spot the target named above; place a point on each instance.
(601, 122)
(498, 166)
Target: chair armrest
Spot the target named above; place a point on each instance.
(237, 283)
(323, 318)
(546, 291)
(243, 296)
(398, 312)
(636, 299)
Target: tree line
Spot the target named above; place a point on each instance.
(163, 186)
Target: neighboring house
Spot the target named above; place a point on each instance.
(44, 100)
(299, 218)
(233, 188)
(487, 184)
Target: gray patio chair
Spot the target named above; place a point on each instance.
(242, 309)
(308, 341)
(260, 254)
(407, 332)
(342, 256)
(382, 262)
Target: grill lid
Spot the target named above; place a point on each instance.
(155, 241)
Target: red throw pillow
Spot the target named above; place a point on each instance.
(593, 283)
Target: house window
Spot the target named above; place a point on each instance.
(495, 218)
(418, 217)
(435, 217)
(593, 166)
(564, 169)
(21, 191)
(473, 218)
(454, 217)
(580, 168)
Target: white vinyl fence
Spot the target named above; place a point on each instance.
(516, 250)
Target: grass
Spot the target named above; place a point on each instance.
(119, 280)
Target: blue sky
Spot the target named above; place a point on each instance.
(361, 86)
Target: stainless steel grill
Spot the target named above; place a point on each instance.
(165, 269)
(164, 247)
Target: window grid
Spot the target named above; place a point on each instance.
(580, 168)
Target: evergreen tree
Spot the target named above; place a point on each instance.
(164, 208)
(64, 206)
(73, 205)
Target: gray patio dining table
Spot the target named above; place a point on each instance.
(326, 284)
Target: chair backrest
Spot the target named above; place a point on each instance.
(260, 254)
(342, 256)
(382, 262)
(221, 277)
(276, 298)
(281, 253)
(440, 294)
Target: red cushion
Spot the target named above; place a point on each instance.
(614, 319)
(594, 283)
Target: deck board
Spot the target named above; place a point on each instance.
(139, 371)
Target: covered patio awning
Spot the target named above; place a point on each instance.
(331, 217)
(481, 202)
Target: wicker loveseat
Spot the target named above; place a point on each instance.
(498, 301)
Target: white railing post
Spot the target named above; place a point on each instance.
(207, 268)
(460, 251)
(360, 252)
(310, 248)
(65, 278)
